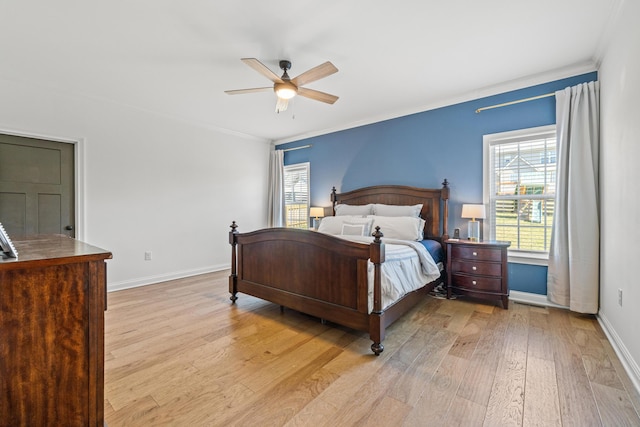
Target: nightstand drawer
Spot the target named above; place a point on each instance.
(476, 283)
(479, 253)
(477, 267)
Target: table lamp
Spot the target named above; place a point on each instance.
(316, 213)
(474, 212)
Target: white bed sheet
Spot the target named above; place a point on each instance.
(408, 266)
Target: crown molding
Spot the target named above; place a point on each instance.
(516, 84)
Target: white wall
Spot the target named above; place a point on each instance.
(151, 183)
(619, 77)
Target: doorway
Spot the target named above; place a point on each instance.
(36, 186)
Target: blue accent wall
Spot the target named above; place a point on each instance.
(424, 148)
(528, 278)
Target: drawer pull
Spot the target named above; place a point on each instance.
(473, 282)
(475, 254)
(474, 268)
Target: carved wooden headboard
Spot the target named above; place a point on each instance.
(430, 198)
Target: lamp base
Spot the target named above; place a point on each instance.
(316, 223)
(474, 231)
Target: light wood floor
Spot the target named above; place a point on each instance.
(180, 354)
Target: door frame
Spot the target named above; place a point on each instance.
(79, 171)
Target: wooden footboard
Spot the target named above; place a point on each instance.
(311, 272)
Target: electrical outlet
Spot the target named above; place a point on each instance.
(147, 256)
(620, 297)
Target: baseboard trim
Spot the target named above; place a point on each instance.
(628, 363)
(150, 280)
(533, 299)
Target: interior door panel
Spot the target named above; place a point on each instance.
(36, 186)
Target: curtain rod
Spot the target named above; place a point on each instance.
(518, 101)
(298, 148)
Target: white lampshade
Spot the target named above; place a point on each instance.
(473, 211)
(316, 212)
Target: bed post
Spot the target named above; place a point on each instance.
(334, 200)
(233, 277)
(376, 318)
(445, 213)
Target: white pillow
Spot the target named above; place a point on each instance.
(354, 229)
(333, 224)
(399, 227)
(361, 210)
(397, 210)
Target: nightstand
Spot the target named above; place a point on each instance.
(478, 269)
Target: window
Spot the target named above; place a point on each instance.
(296, 195)
(520, 188)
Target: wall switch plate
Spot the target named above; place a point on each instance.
(620, 297)
(147, 256)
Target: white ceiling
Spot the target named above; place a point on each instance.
(176, 58)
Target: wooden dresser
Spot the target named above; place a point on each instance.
(52, 302)
(478, 269)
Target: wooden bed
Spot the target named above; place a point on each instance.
(326, 276)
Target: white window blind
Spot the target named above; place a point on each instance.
(296, 195)
(520, 187)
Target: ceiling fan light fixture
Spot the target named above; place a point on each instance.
(285, 90)
(285, 87)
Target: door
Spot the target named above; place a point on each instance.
(36, 186)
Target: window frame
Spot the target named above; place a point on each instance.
(290, 168)
(489, 140)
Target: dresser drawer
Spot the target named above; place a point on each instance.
(487, 284)
(477, 267)
(479, 253)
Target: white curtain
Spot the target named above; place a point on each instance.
(574, 255)
(277, 215)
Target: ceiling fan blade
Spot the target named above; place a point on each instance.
(254, 90)
(262, 69)
(316, 73)
(281, 105)
(317, 95)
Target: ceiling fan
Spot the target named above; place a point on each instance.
(286, 87)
